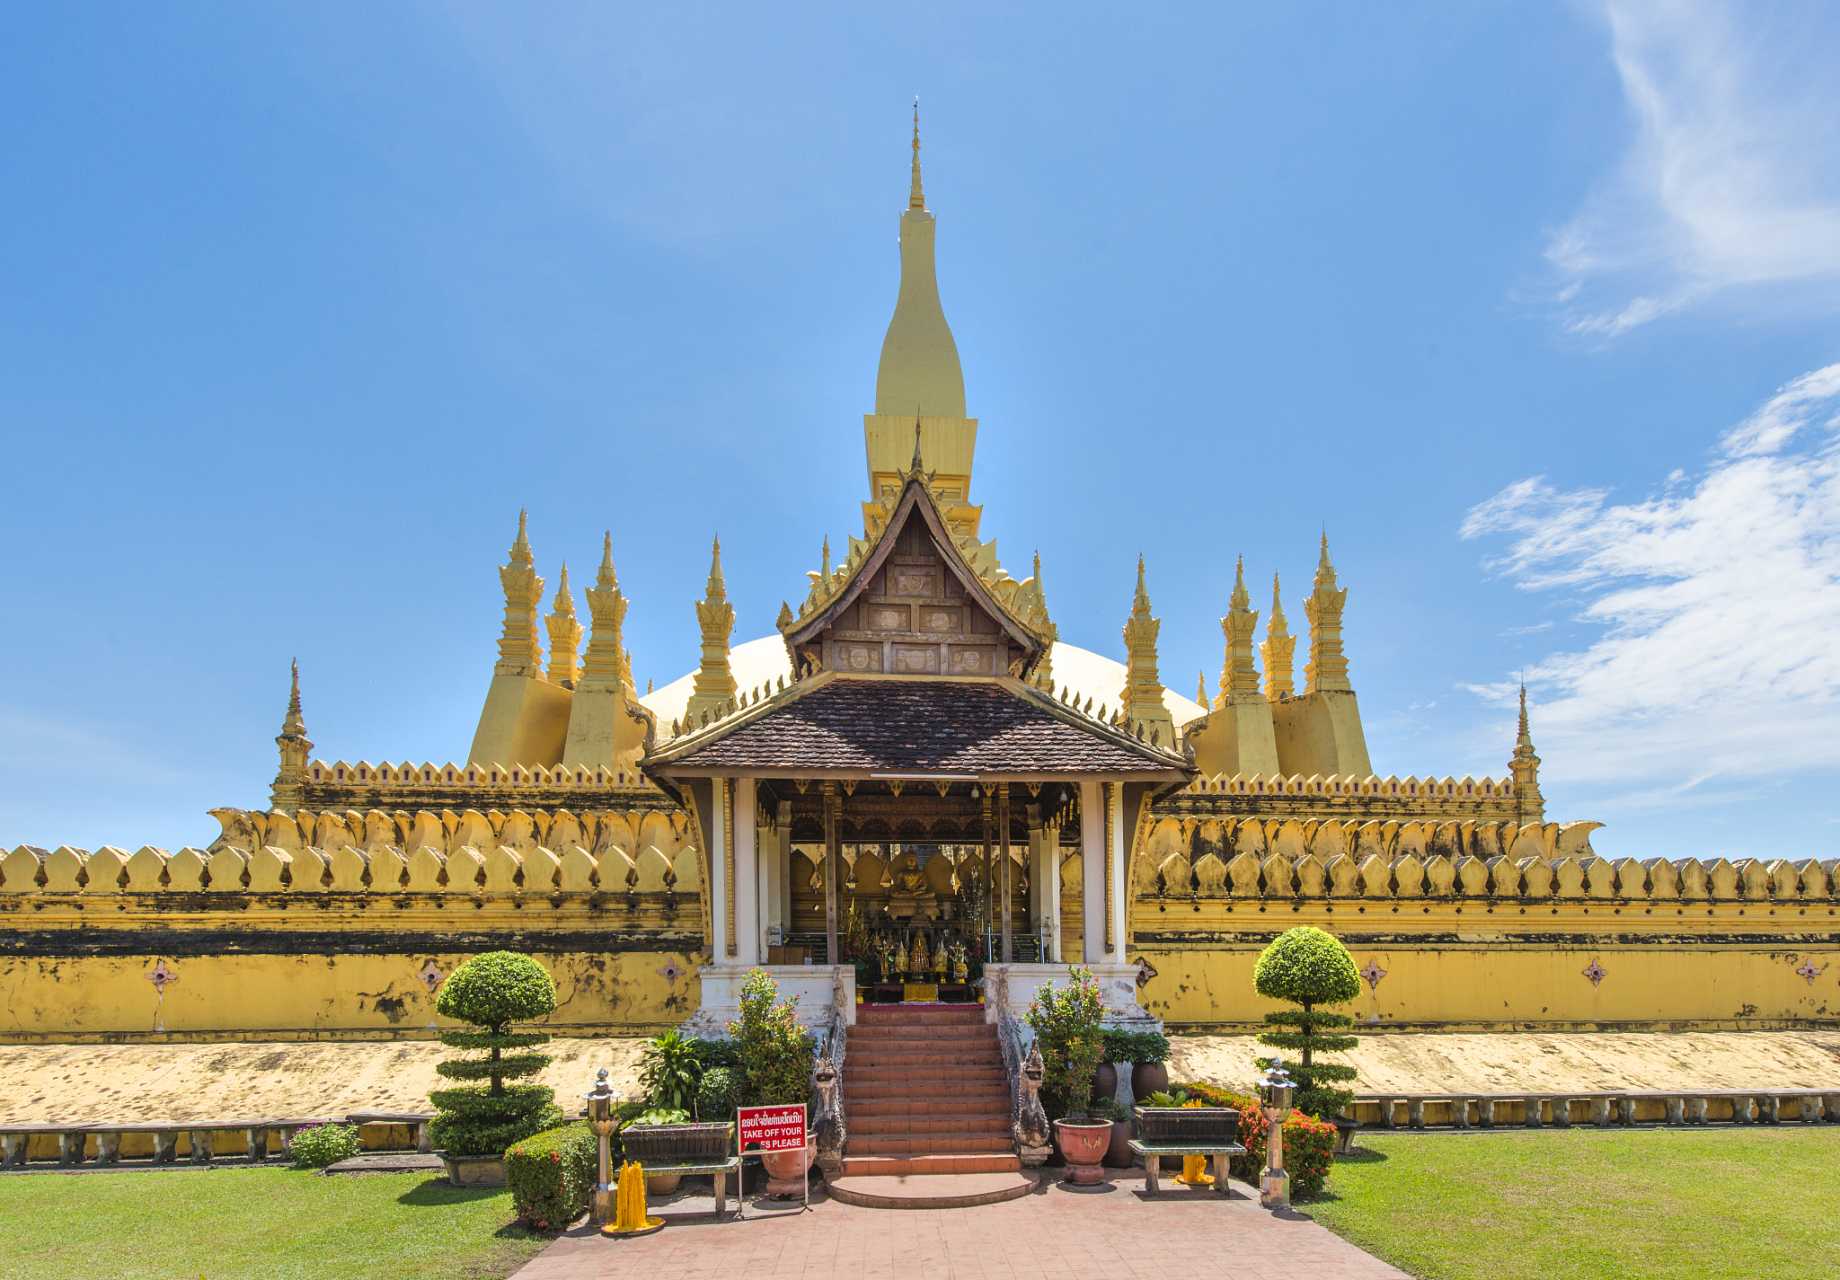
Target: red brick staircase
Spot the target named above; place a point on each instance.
(925, 1092)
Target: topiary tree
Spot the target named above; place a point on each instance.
(775, 1051)
(1307, 967)
(492, 991)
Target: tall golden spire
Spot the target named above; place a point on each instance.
(916, 198)
(1327, 669)
(715, 681)
(1524, 765)
(564, 635)
(520, 653)
(288, 791)
(1239, 678)
(1279, 645)
(1143, 689)
(606, 661)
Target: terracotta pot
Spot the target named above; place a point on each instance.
(1105, 1081)
(1148, 1078)
(659, 1185)
(1118, 1154)
(787, 1171)
(1082, 1145)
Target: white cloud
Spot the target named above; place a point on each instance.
(1732, 177)
(1718, 604)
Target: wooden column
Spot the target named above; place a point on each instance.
(990, 894)
(833, 858)
(1009, 915)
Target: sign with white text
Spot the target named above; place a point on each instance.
(776, 1128)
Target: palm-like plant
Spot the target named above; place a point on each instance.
(671, 1069)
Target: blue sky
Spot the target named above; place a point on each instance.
(1536, 308)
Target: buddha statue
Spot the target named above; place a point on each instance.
(917, 955)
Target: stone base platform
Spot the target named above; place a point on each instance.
(390, 1162)
(931, 1191)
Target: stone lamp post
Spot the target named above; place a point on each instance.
(1275, 1089)
(600, 1119)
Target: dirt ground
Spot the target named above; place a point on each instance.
(128, 1084)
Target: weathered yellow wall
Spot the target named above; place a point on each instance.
(321, 995)
(1477, 984)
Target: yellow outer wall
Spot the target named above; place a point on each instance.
(309, 996)
(1458, 987)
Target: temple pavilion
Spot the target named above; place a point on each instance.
(914, 778)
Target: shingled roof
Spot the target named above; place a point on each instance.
(921, 727)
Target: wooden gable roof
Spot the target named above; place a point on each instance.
(914, 606)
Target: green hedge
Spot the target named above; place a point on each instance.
(1309, 1143)
(319, 1145)
(552, 1175)
(1136, 1046)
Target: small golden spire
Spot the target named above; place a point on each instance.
(520, 546)
(717, 589)
(564, 634)
(1201, 688)
(1277, 650)
(286, 792)
(916, 198)
(1142, 597)
(917, 462)
(294, 723)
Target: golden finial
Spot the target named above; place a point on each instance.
(717, 589)
(916, 199)
(606, 577)
(1240, 599)
(565, 599)
(1201, 688)
(917, 463)
(1525, 737)
(294, 724)
(520, 546)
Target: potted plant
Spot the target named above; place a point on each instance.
(1309, 968)
(661, 1135)
(776, 1063)
(1066, 1025)
(1144, 1052)
(477, 1120)
(670, 1069)
(1118, 1153)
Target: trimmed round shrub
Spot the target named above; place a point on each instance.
(1307, 967)
(485, 1115)
(718, 1094)
(551, 1175)
(319, 1145)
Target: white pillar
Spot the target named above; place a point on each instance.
(1051, 891)
(718, 873)
(747, 875)
(1121, 908)
(1092, 872)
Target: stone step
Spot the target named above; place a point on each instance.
(905, 1107)
(861, 1038)
(934, 1191)
(893, 1166)
(908, 1144)
(920, 1016)
(870, 1059)
(993, 1092)
(989, 1120)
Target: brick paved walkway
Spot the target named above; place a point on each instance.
(1055, 1233)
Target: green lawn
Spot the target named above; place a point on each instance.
(1559, 1205)
(276, 1224)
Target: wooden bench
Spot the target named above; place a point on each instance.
(719, 1168)
(1153, 1153)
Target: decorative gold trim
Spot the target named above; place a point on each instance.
(728, 862)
